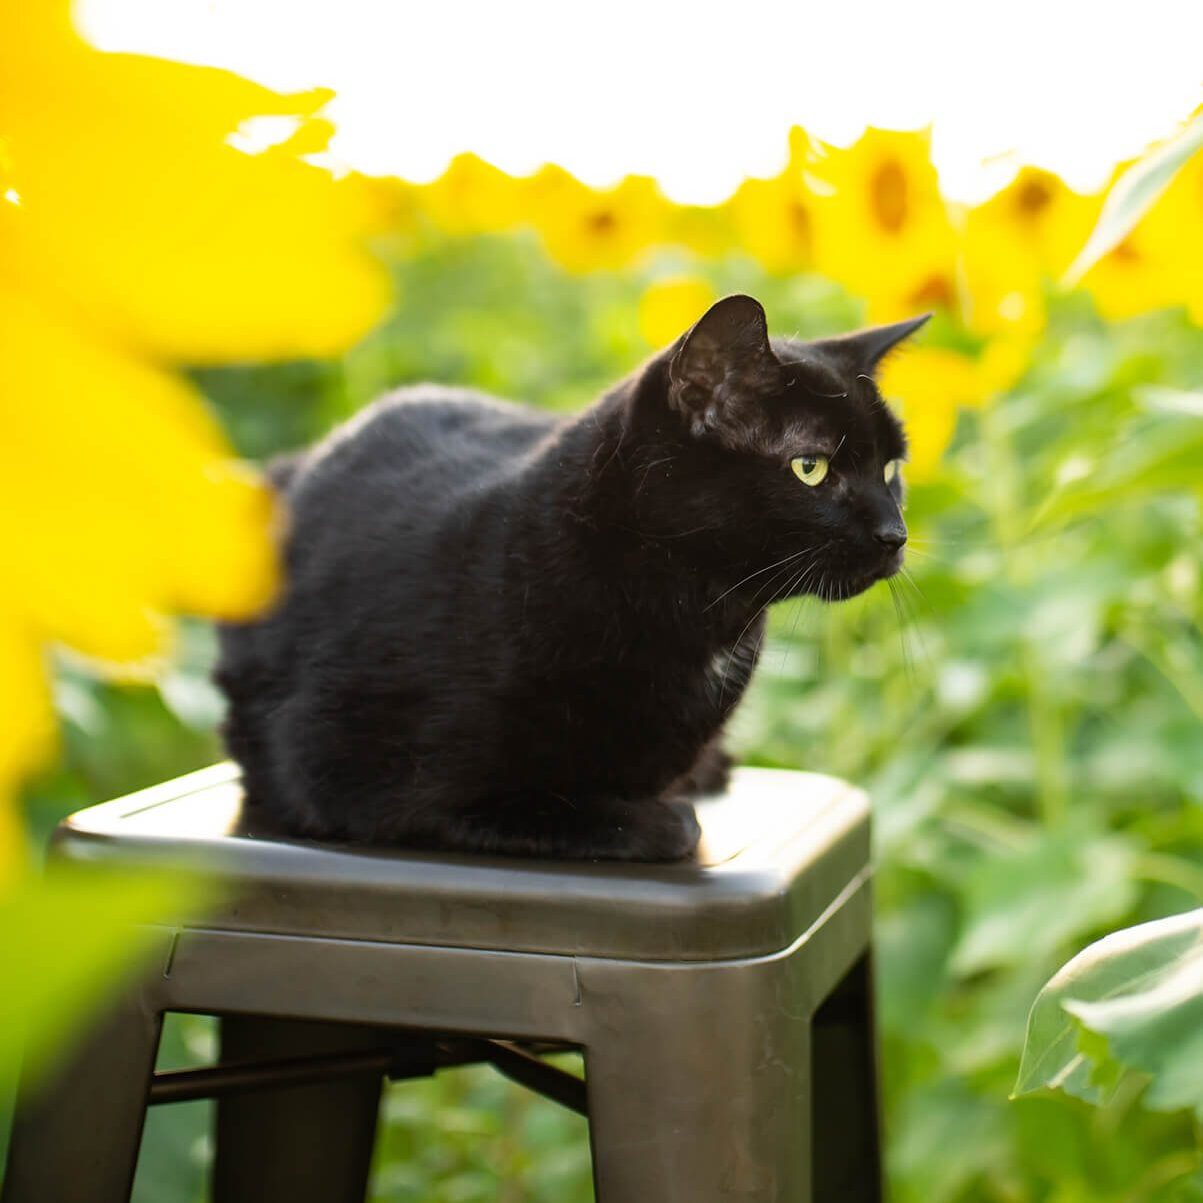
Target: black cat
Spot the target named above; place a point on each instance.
(510, 632)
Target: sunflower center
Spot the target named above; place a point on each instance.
(888, 196)
(601, 222)
(937, 291)
(1125, 252)
(797, 218)
(1033, 197)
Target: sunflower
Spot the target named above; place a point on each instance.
(585, 229)
(472, 197)
(774, 219)
(1160, 262)
(882, 228)
(1022, 237)
(1176, 233)
(134, 233)
(933, 383)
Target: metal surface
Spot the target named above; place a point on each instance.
(520, 1066)
(777, 846)
(295, 1144)
(76, 1134)
(186, 1085)
(515, 1062)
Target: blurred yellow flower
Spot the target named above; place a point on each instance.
(669, 307)
(932, 383)
(133, 233)
(586, 229)
(1176, 230)
(1160, 262)
(774, 219)
(1022, 237)
(473, 197)
(882, 228)
(704, 229)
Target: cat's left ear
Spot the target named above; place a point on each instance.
(723, 362)
(865, 349)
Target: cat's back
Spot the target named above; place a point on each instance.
(390, 504)
(422, 436)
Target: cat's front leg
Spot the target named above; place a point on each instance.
(709, 774)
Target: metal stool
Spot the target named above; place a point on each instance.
(723, 1007)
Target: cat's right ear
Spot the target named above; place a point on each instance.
(723, 362)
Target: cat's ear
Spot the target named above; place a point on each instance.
(724, 360)
(864, 350)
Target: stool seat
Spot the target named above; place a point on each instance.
(723, 1005)
(777, 847)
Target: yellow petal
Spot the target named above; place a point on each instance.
(1160, 263)
(669, 307)
(26, 732)
(930, 428)
(137, 214)
(1015, 243)
(26, 721)
(119, 500)
(472, 197)
(930, 383)
(586, 229)
(774, 221)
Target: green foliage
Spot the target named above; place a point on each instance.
(54, 966)
(1027, 721)
(1133, 999)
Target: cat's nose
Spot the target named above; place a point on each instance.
(891, 534)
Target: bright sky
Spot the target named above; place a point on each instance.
(701, 95)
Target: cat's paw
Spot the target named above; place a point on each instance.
(655, 831)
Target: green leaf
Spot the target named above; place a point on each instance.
(1160, 399)
(66, 941)
(1133, 195)
(1028, 903)
(1138, 998)
(1157, 456)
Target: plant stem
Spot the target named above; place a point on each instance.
(1045, 718)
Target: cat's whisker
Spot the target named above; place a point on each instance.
(782, 568)
(907, 604)
(759, 571)
(910, 580)
(801, 599)
(793, 582)
(907, 664)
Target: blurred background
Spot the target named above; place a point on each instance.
(525, 202)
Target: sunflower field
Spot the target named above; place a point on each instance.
(1025, 706)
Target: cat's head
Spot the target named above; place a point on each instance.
(786, 459)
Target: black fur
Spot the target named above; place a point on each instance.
(510, 632)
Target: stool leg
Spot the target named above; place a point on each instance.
(297, 1144)
(847, 1126)
(76, 1134)
(698, 1084)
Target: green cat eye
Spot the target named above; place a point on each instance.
(892, 470)
(809, 469)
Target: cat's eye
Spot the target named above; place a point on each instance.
(809, 469)
(893, 468)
